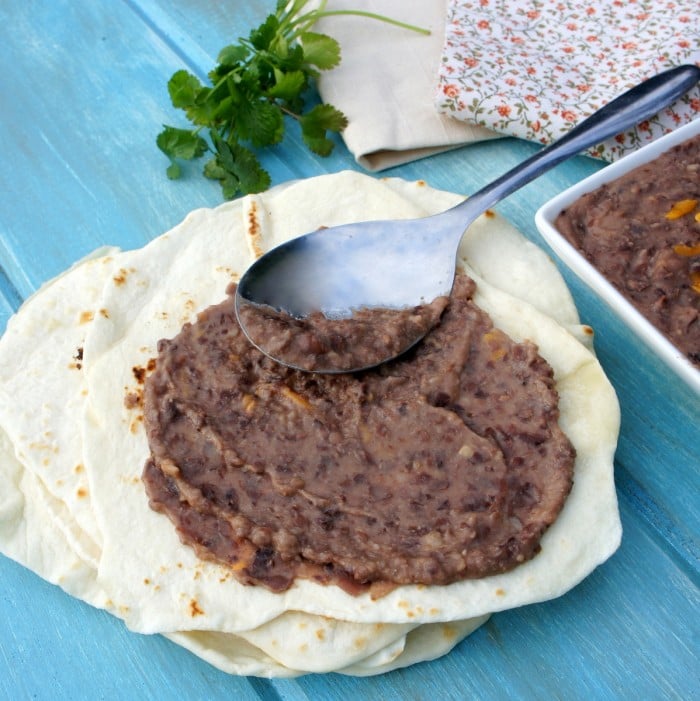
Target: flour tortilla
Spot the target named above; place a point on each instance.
(32, 529)
(155, 583)
(41, 386)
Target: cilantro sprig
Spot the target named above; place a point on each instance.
(258, 83)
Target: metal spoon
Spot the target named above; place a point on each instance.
(398, 265)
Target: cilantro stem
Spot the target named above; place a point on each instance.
(309, 19)
(291, 16)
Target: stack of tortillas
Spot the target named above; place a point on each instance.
(73, 507)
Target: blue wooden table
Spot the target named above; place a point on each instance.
(83, 94)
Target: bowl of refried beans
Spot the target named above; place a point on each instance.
(631, 232)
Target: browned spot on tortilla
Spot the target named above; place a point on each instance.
(195, 610)
(228, 271)
(121, 276)
(39, 445)
(360, 643)
(86, 316)
(140, 372)
(189, 307)
(82, 492)
(500, 592)
(136, 423)
(147, 581)
(78, 468)
(421, 183)
(254, 230)
(321, 634)
(587, 330)
(449, 632)
(489, 213)
(104, 313)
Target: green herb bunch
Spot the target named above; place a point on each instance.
(257, 84)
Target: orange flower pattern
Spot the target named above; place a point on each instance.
(535, 68)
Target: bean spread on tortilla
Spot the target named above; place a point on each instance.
(443, 465)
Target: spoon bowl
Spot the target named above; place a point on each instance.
(300, 302)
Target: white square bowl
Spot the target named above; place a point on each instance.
(547, 214)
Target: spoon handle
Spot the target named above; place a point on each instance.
(624, 112)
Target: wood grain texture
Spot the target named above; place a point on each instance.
(83, 90)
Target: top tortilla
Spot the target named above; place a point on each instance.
(137, 567)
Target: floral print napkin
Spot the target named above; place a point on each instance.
(535, 68)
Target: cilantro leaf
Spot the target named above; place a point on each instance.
(293, 58)
(236, 168)
(316, 123)
(232, 54)
(181, 143)
(320, 50)
(184, 88)
(260, 122)
(265, 34)
(173, 171)
(202, 111)
(288, 86)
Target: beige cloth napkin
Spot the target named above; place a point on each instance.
(386, 81)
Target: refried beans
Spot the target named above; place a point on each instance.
(447, 463)
(642, 232)
(317, 343)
